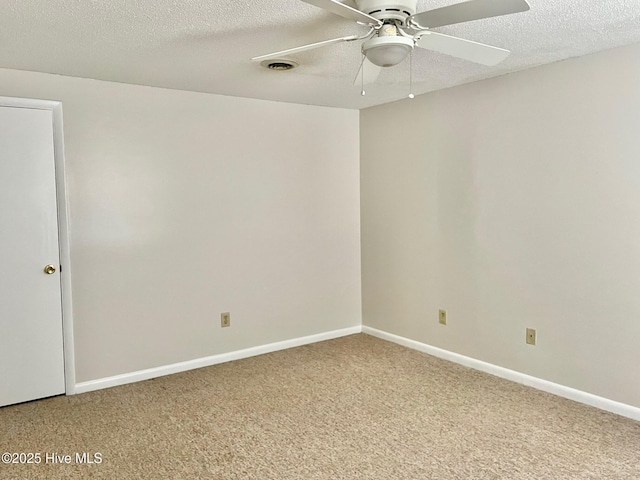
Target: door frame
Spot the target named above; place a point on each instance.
(63, 229)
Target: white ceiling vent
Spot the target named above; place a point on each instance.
(279, 64)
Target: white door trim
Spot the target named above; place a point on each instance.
(63, 229)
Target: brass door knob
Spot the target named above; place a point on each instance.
(49, 269)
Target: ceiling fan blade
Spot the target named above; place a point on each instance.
(461, 48)
(467, 11)
(345, 11)
(311, 46)
(371, 72)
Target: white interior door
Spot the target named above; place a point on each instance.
(31, 349)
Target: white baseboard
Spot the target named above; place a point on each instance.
(140, 375)
(538, 383)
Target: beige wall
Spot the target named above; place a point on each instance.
(513, 203)
(185, 205)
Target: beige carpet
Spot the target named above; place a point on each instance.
(352, 408)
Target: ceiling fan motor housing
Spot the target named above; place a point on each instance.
(388, 9)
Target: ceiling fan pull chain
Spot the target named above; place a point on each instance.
(362, 92)
(411, 95)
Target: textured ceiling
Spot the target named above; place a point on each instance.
(206, 46)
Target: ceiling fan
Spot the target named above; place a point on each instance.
(396, 28)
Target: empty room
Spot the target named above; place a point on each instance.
(320, 239)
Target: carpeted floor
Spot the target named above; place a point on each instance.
(351, 408)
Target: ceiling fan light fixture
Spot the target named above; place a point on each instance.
(387, 51)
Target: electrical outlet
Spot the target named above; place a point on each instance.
(225, 319)
(531, 336)
(442, 317)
